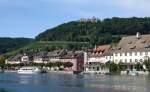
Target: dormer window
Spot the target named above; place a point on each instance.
(147, 46)
(130, 42)
(143, 41)
(132, 47)
(119, 48)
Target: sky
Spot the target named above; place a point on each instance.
(28, 18)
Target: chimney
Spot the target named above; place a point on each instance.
(138, 35)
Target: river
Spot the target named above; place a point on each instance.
(13, 82)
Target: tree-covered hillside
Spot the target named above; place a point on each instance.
(77, 35)
(9, 44)
(100, 32)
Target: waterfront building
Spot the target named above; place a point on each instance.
(132, 49)
(98, 58)
(19, 58)
(76, 58)
(40, 57)
(46, 57)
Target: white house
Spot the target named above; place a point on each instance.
(97, 59)
(132, 49)
(19, 58)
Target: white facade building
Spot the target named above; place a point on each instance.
(19, 58)
(131, 57)
(132, 49)
(96, 60)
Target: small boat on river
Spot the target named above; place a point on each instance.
(29, 70)
(133, 72)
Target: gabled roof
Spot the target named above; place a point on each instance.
(15, 58)
(19, 56)
(102, 48)
(72, 55)
(133, 43)
(101, 51)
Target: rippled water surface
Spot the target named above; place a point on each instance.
(13, 82)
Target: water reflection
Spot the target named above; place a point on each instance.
(117, 83)
(4, 90)
(32, 79)
(73, 83)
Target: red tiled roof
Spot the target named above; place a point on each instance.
(102, 48)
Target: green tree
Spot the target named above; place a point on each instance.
(67, 64)
(147, 64)
(113, 68)
(138, 66)
(58, 64)
(2, 62)
(50, 64)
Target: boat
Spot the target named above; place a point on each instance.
(29, 70)
(77, 72)
(133, 73)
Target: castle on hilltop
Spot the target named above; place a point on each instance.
(92, 20)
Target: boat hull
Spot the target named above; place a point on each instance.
(31, 70)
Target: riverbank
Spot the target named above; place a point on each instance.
(123, 73)
(61, 72)
(11, 71)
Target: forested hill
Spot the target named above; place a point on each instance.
(98, 31)
(9, 44)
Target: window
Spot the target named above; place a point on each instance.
(116, 60)
(130, 42)
(146, 53)
(120, 60)
(141, 53)
(130, 60)
(141, 60)
(116, 54)
(136, 60)
(125, 60)
(135, 53)
(120, 54)
(109, 57)
(130, 53)
(125, 54)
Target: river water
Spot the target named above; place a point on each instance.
(13, 82)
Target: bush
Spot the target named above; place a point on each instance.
(147, 64)
(67, 64)
(113, 68)
(2, 61)
(50, 64)
(138, 66)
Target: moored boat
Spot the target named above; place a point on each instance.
(29, 70)
(133, 72)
